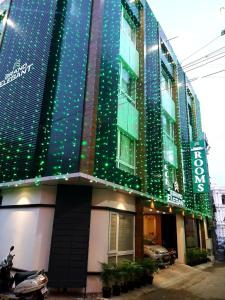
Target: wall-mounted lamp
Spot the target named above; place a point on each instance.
(170, 210)
(152, 204)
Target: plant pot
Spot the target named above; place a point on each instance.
(145, 279)
(116, 290)
(124, 288)
(130, 285)
(106, 292)
(137, 284)
(150, 279)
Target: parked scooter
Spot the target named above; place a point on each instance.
(28, 285)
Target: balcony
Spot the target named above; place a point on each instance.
(168, 104)
(127, 116)
(167, 64)
(128, 53)
(170, 151)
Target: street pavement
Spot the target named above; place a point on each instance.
(203, 284)
(177, 282)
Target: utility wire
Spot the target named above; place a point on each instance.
(206, 57)
(206, 63)
(200, 48)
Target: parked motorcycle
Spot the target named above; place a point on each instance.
(27, 285)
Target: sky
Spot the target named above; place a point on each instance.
(196, 23)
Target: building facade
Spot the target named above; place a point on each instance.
(101, 139)
(218, 194)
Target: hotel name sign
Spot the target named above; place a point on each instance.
(199, 167)
(18, 70)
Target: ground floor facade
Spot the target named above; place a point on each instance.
(70, 229)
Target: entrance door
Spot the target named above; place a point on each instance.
(169, 231)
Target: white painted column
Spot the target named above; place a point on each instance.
(181, 244)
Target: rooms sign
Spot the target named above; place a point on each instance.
(199, 167)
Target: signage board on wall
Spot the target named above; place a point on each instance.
(199, 167)
(175, 198)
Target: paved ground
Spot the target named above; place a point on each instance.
(206, 284)
(178, 282)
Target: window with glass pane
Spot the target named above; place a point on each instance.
(128, 26)
(128, 84)
(168, 126)
(166, 83)
(121, 237)
(113, 232)
(126, 149)
(126, 233)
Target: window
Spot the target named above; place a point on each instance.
(128, 26)
(166, 83)
(166, 53)
(126, 153)
(223, 199)
(170, 176)
(4, 10)
(121, 237)
(168, 126)
(127, 85)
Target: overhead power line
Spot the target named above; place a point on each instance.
(213, 40)
(206, 63)
(205, 57)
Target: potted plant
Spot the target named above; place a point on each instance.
(124, 277)
(106, 277)
(128, 269)
(116, 277)
(149, 268)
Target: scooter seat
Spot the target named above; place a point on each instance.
(21, 276)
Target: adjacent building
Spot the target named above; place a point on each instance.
(218, 194)
(101, 145)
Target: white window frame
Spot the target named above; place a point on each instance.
(123, 11)
(116, 253)
(129, 98)
(172, 128)
(118, 160)
(168, 83)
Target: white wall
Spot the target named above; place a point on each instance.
(99, 230)
(181, 244)
(108, 198)
(220, 213)
(28, 229)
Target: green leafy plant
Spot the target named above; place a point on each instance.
(149, 266)
(196, 256)
(107, 274)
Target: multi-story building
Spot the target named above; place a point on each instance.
(101, 139)
(218, 194)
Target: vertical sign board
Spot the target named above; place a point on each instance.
(199, 167)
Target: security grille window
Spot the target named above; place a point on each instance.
(127, 85)
(126, 153)
(166, 83)
(128, 26)
(121, 237)
(223, 199)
